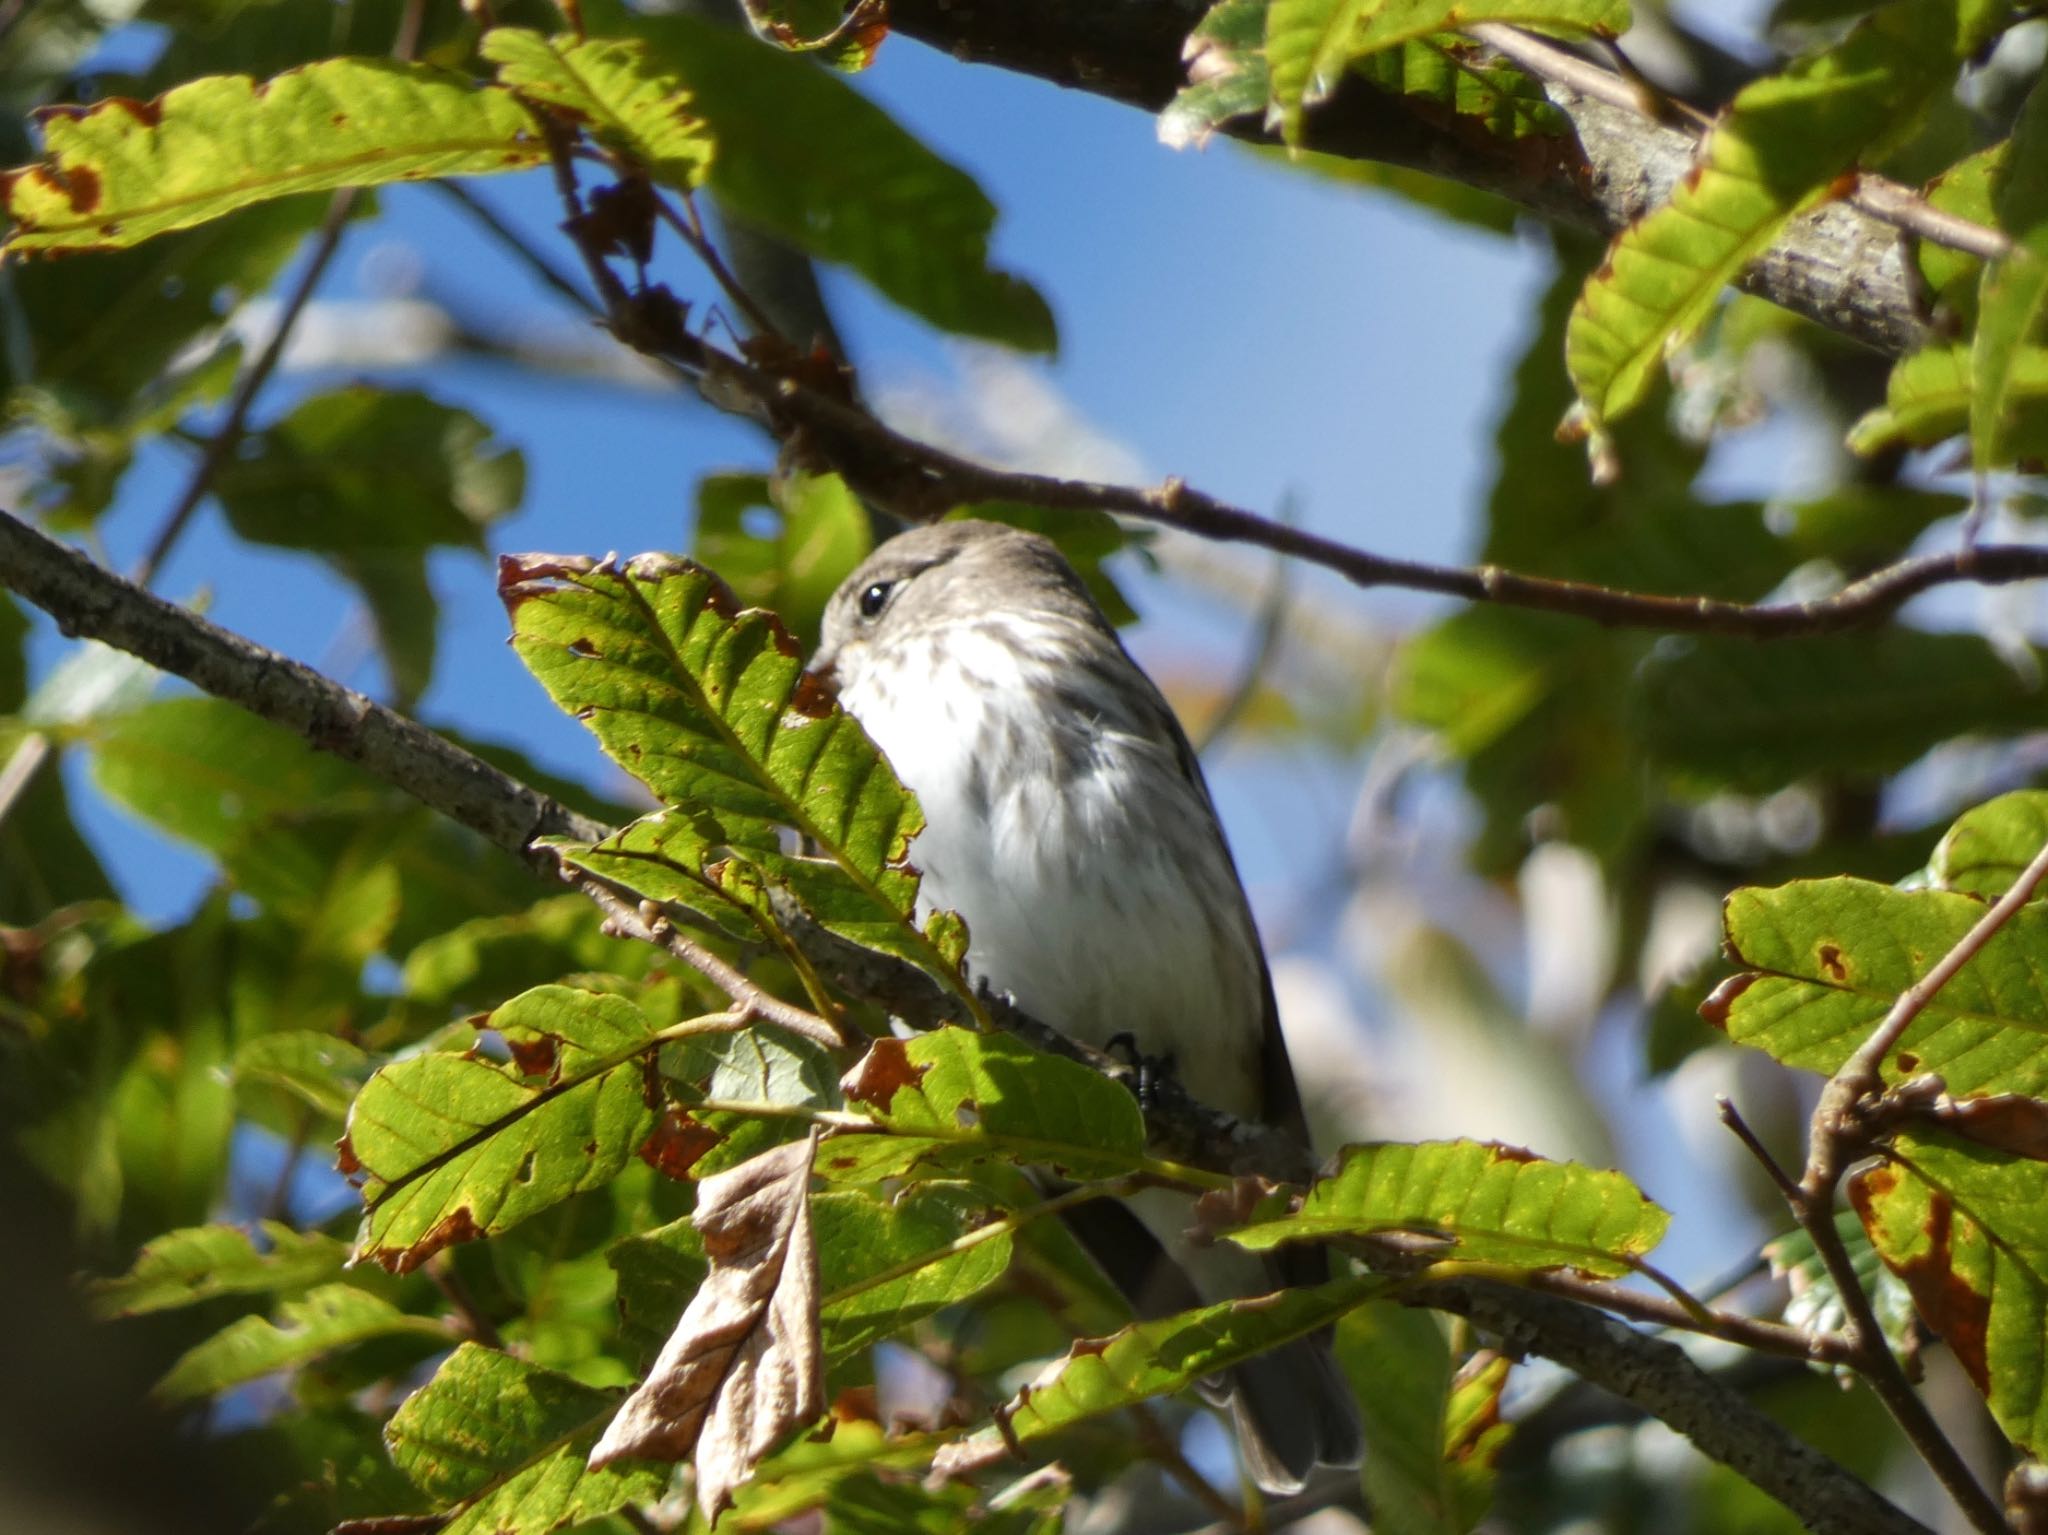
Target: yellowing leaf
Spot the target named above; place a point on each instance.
(120, 171)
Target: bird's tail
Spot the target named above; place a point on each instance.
(1293, 1410)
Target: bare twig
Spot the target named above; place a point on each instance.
(517, 245)
(1851, 1105)
(1163, 1450)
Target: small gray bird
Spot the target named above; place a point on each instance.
(1067, 821)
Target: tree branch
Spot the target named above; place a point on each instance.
(1840, 265)
(94, 603)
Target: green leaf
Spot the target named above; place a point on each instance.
(1772, 154)
(199, 1263)
(1967, 1229)
(1308, 42)
(613, 89)
(1984, 852)
(1825, 959)
(329, 1318)
(1732, 713)
(1493, 1204)
(880, 202)
(2014, 295)
(1152, 1359)
(455, 1147)
(844, 33)
(953, 1097)
(1446, 70)
(119, 171)
(478, 962)
(784, 547)
(1226, 54)
(499, 1444)
(312, 1070)
(1432, 1433)
(1964, 189)
(1928, 395)
(710, 708)
(371, 479)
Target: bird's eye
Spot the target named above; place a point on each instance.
(875, 598)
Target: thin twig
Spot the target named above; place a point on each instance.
(629, 917)
(1272, 623)
(517, 245)
(1773, 1169)
(691, 227)
(477, 1326)
(1852, 1102)
(1896, 205)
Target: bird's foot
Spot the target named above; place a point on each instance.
(1149, 1072)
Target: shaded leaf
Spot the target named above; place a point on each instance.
(1732, 713)
(1827, 958)
(120, 171)
(311, 1069)
(1928, 395)
(1432, 1432)
(329, 1318)
(744, 1366)
(455, 1147)
(1967, 1230)
(200, 1263)
(1815, 1304)
(499, 1444)
(1492, 1204)
(2014, 295)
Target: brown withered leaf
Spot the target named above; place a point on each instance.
(879, 1075)
(2007, 1122)
(744, 1365)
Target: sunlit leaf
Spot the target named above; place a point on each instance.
(455, 1147)
(614, 90)
(1308, 42)
(1490, 1203)
(1825, 959)
(499, 1444)
(1984, 852)
(784, 547)
(120, 171)
(1774, 152)
(2014, 296)
(710, 708)
(1967, 1230)
(1927, 401)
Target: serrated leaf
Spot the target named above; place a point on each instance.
(1152, 1359)
(200, 1263)
(879, 201)
(1775, 152)
(953, 1097)
(1226, 59)
(843, 33)
(1928, 394)
(1308, 42)
(710, 707)
(120, 171)
(1826, 959)
(1446, 69)
(1967, 1230)
(329, 1318)
(1984, 852)
(455, 1147)
(613, 89)
(1492, 1204)
(1964, 189)
(499, 1444)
